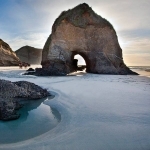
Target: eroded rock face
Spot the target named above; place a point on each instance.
(81, 31)
(7, 56)
(8, 109)
(12, 92)
(29, 54)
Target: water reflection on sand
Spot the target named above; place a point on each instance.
(36, 119)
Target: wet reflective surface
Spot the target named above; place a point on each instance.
(36, 119)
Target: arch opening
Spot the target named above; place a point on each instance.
(79, 61)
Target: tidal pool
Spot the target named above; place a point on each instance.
(36, 118)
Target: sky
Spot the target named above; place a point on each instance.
(29, 22)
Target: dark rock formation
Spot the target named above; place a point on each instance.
(81, 31)
(7, 56)
(32, 90)
(8, 109)
(148, 70)
(30, 69)
(29, 54)
(12, 92)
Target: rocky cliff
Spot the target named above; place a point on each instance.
(7, 56)
(81, 31)
(29, 54)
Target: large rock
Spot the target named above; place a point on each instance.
(29, 54)
(8, 109)
(12, 92)
(81, 31)
(7, 56)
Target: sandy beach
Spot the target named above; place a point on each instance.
(97, 112)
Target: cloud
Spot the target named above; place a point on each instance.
(137, 59)
(135, 41)
(36, 40)
(29, 22)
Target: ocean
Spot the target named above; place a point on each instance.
(141, 70)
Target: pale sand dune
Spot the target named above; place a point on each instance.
(97, 112)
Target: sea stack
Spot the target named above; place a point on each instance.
(81, 31)
(7, 56)
(29, 54)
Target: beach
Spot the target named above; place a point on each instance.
(97, 112)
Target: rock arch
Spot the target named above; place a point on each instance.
(81, 31)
